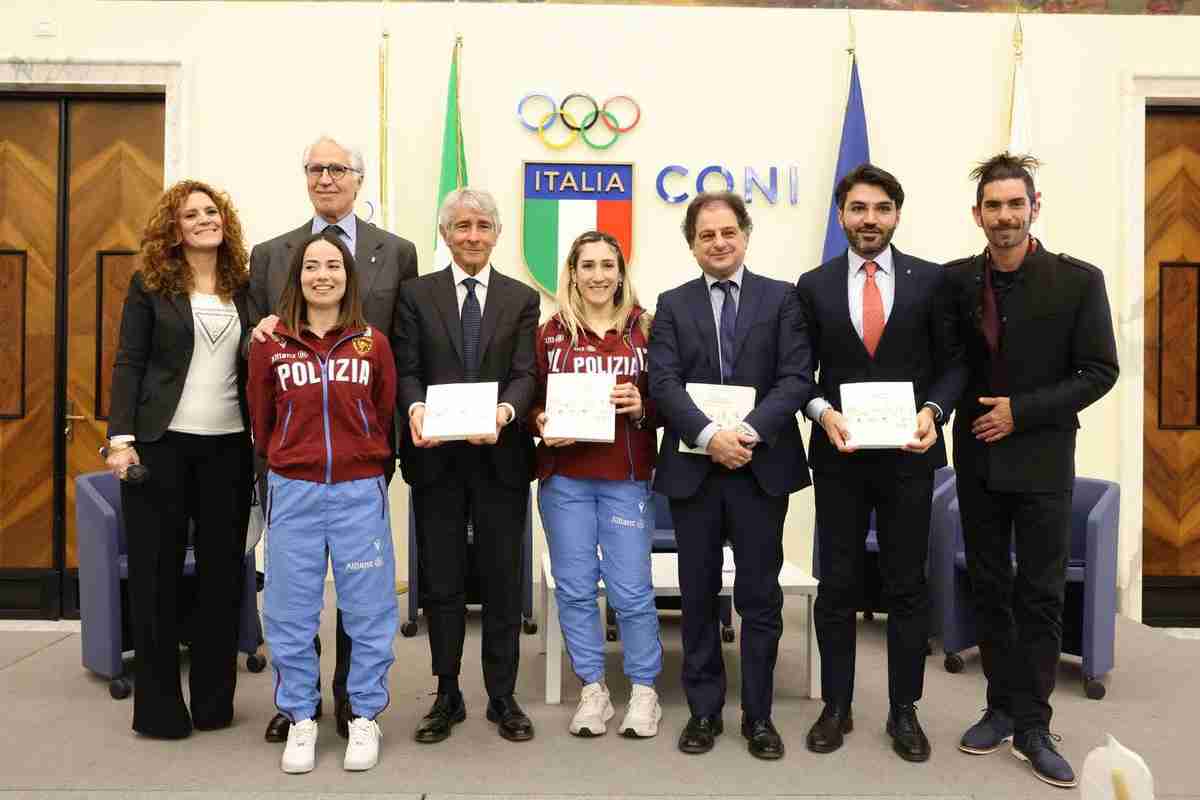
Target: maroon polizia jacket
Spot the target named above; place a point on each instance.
(321, 408)
(631, 454)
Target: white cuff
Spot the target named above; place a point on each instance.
(706, 435)
(512, 412)
(816, 407)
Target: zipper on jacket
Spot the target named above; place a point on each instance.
(325, 403)
(362, 412)
(286, 421)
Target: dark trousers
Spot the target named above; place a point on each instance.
(845, 500)
(1019, 616)
(206, 479)
(341, 668)
(730, 506)
(471, 491)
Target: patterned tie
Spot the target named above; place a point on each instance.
(471, 318)
(728, 325)
(872, 323)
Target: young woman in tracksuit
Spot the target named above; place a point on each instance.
(599, 494)
(322, 391)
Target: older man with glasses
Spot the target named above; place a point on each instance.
(334, 171)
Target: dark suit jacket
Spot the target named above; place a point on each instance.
(153, 355)
(920, 344)
(384, 261)
(1060, 356)
(771, 353)
(431, 352)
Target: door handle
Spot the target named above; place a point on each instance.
(69, 430)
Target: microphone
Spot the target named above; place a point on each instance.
(134, 473)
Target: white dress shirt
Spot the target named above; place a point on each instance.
(717, 298)
(348, 224)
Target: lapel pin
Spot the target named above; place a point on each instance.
(906, 272)
(372, 259)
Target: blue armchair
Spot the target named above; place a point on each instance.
(872, 599)
(662, 540)
(103, 569)
(1090, 608)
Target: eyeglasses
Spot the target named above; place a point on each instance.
(336, 171)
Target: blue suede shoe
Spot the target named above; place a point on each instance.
(1037, 748)
(986, 736)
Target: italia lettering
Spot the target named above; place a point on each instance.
(579, 180)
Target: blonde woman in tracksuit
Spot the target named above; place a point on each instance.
(596, 494)
(322, 391)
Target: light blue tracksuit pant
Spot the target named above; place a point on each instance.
(308, 524)
(618, 516)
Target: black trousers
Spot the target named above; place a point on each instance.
(1019, 616)
(901, 502)
(730, 505)
(206, 479)
(471, 491)
(341, 669)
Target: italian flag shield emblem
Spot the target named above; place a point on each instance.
(562, 201)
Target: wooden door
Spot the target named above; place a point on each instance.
(115, 174)
(29, 156)
(78, 178)
(1171, 482)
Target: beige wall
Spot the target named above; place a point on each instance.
(737, 87)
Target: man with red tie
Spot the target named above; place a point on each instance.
(876, 314)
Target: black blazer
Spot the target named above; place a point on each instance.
(383, 259)
(771, 353)
(920, 344)
(1060, 356)
(431, 353)
(153, 355)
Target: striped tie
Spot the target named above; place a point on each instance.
(471, 318)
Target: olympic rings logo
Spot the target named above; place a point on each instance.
(576, 128)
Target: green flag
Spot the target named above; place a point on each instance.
(454, 157)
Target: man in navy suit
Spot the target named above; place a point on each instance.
(876, 314)
(729, 326)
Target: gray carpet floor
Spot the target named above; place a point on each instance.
(63, 737)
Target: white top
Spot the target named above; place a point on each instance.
(885, 279)
(209, 403)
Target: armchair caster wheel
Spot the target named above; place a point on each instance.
(954, 663)
(529, 626)
(610, 633)
(1093, 688)
(727, 634)
(256, 663)
(408, 629)
(120, 688)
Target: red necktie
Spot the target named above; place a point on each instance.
(872, 310)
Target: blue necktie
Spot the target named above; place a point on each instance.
(471, 318)
(728, 325)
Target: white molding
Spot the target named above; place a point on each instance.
(1138, 91)
(108, 75)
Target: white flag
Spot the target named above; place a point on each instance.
(1020, 116)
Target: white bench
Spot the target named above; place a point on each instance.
(664, 573)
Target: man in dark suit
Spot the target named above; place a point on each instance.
(468, 323)
(1040, 348)
(876, 314)
(335, 174)
(729, 326)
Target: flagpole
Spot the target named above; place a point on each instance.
(459, 152)
(384, 221)
(1018, 41)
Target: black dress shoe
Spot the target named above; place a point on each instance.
(700, 734)
(343, 714)
(826, 734)
(277, 728)
(448, 710)
(762, 739)
(510, 719)
(908, 740)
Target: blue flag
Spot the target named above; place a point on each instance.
(853, 151)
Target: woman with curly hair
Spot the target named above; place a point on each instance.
(179, 409)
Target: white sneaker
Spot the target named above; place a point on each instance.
(300, 755)
(644, 712)
(595, 709)
(362, 751)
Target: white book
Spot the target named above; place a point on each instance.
(579, 406)
(722, 403)
(454, 411)
(879, 414)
